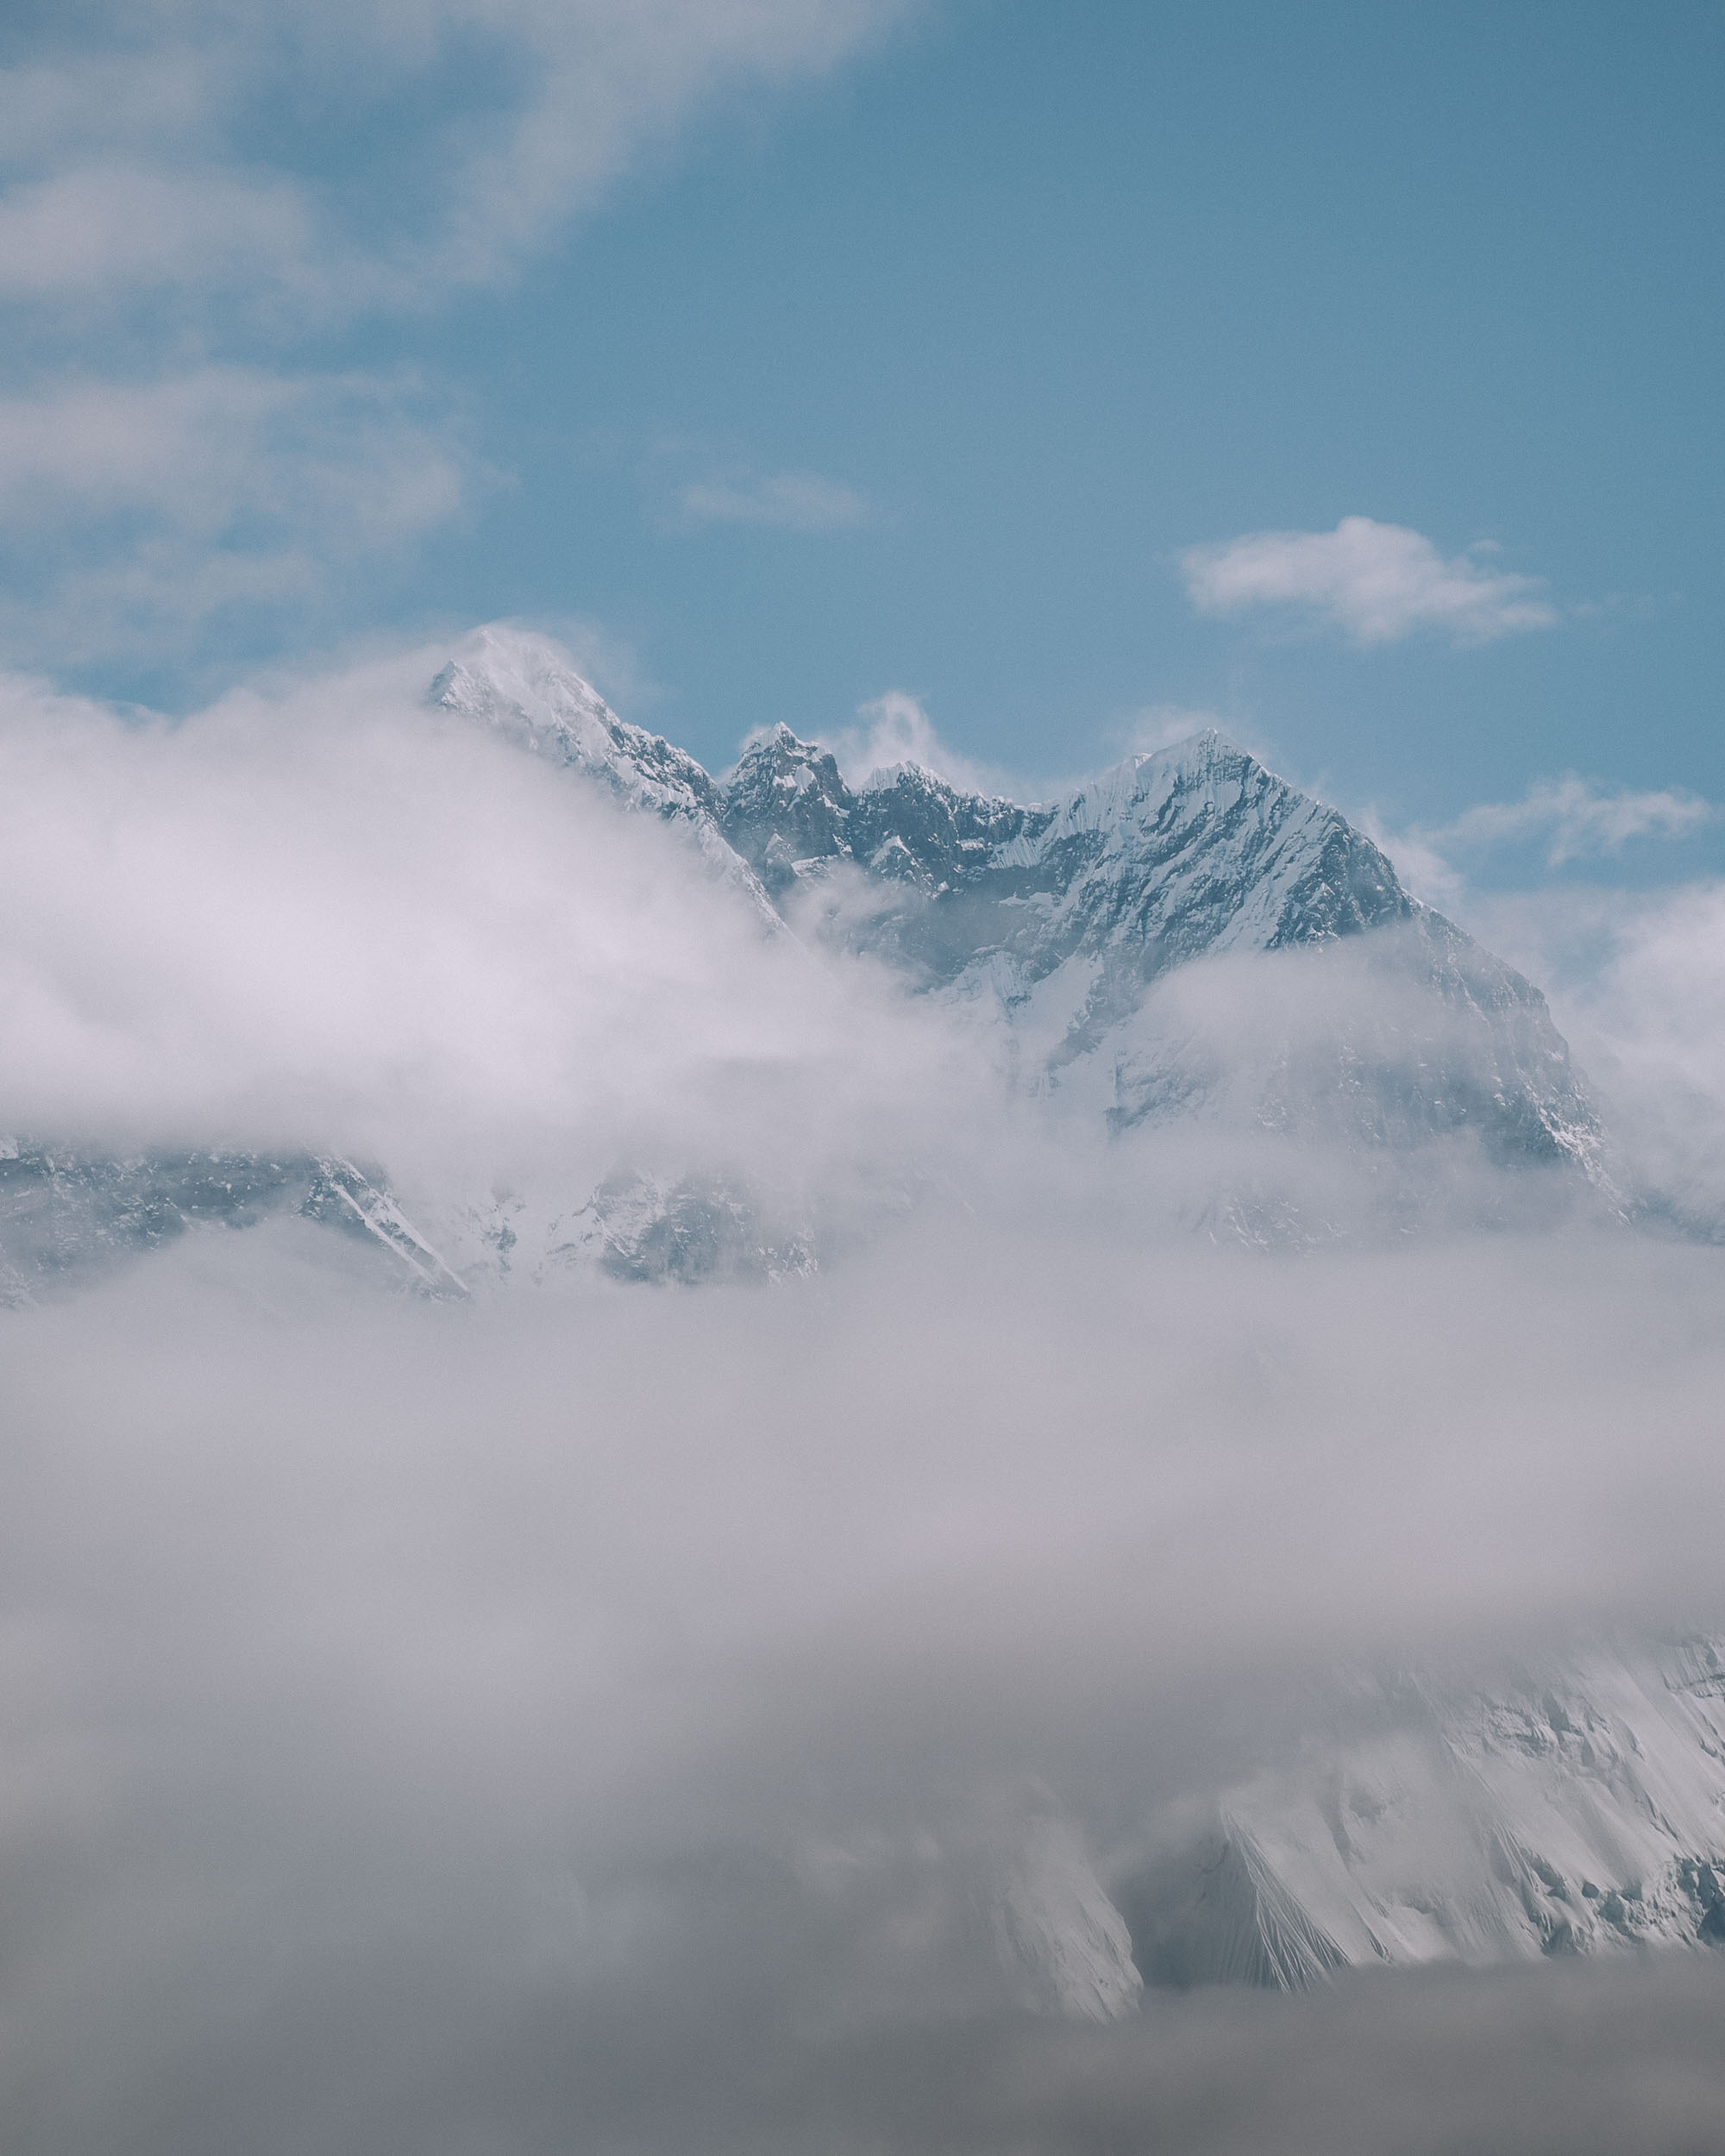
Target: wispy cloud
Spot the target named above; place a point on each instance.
(790, 501)
(554, 103)
(1376, 583)
(167, 255)
(131, 512)
(894, 729)
(1577, 817)
(111, 228)
(1564, 820)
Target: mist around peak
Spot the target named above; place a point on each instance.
(664, 1698)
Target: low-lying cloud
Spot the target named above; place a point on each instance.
(589, 1716)
(577, 1720)
(336, 918)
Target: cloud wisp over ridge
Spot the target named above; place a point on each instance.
(1376, 583)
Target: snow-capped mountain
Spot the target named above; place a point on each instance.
(1085, 938)
(1188, 941)
(1068, 917)
(66, 1213)
(521, 687)
(1574, 1808)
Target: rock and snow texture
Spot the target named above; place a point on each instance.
(66, 1213)
(1077, 919)
(638, 1228)
(1068, 917)
(1574, 1809)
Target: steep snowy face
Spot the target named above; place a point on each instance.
(522, 686)
(1576, 1809)
(1167, 857)
(1069, 917)
(1199, 848)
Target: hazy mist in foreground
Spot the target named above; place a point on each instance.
(584, 1717)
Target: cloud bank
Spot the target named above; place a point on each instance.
(600, 1717)
(1376, 583)
(576, 1721)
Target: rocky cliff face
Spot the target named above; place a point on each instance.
(1068, 918)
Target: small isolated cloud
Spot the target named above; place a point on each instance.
(1161, 725)
(1577, 818)
(1376, 583)
(894, 730)
(790, 501)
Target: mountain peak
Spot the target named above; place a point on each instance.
(1070, 914)
(502, 674)
(522, 686)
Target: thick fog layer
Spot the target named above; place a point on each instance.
(605, 1718)
(340, 917)
(594, 1718)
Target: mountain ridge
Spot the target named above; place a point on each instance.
(1085, 933)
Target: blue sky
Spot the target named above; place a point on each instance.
(786, 352)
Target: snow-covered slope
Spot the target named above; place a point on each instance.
(523, 688)
(1575, 1808)
(67, 1213)
(1398, 1029)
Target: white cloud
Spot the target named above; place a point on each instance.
(792, 501)
(131, 511)
(894, 730)
(500, 1707)
(294, 910)
(1637, 983)
(111, 228)
(1570, 818)
(1376, 583)
(1577, 817)
(544, 102)
(173, 220)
